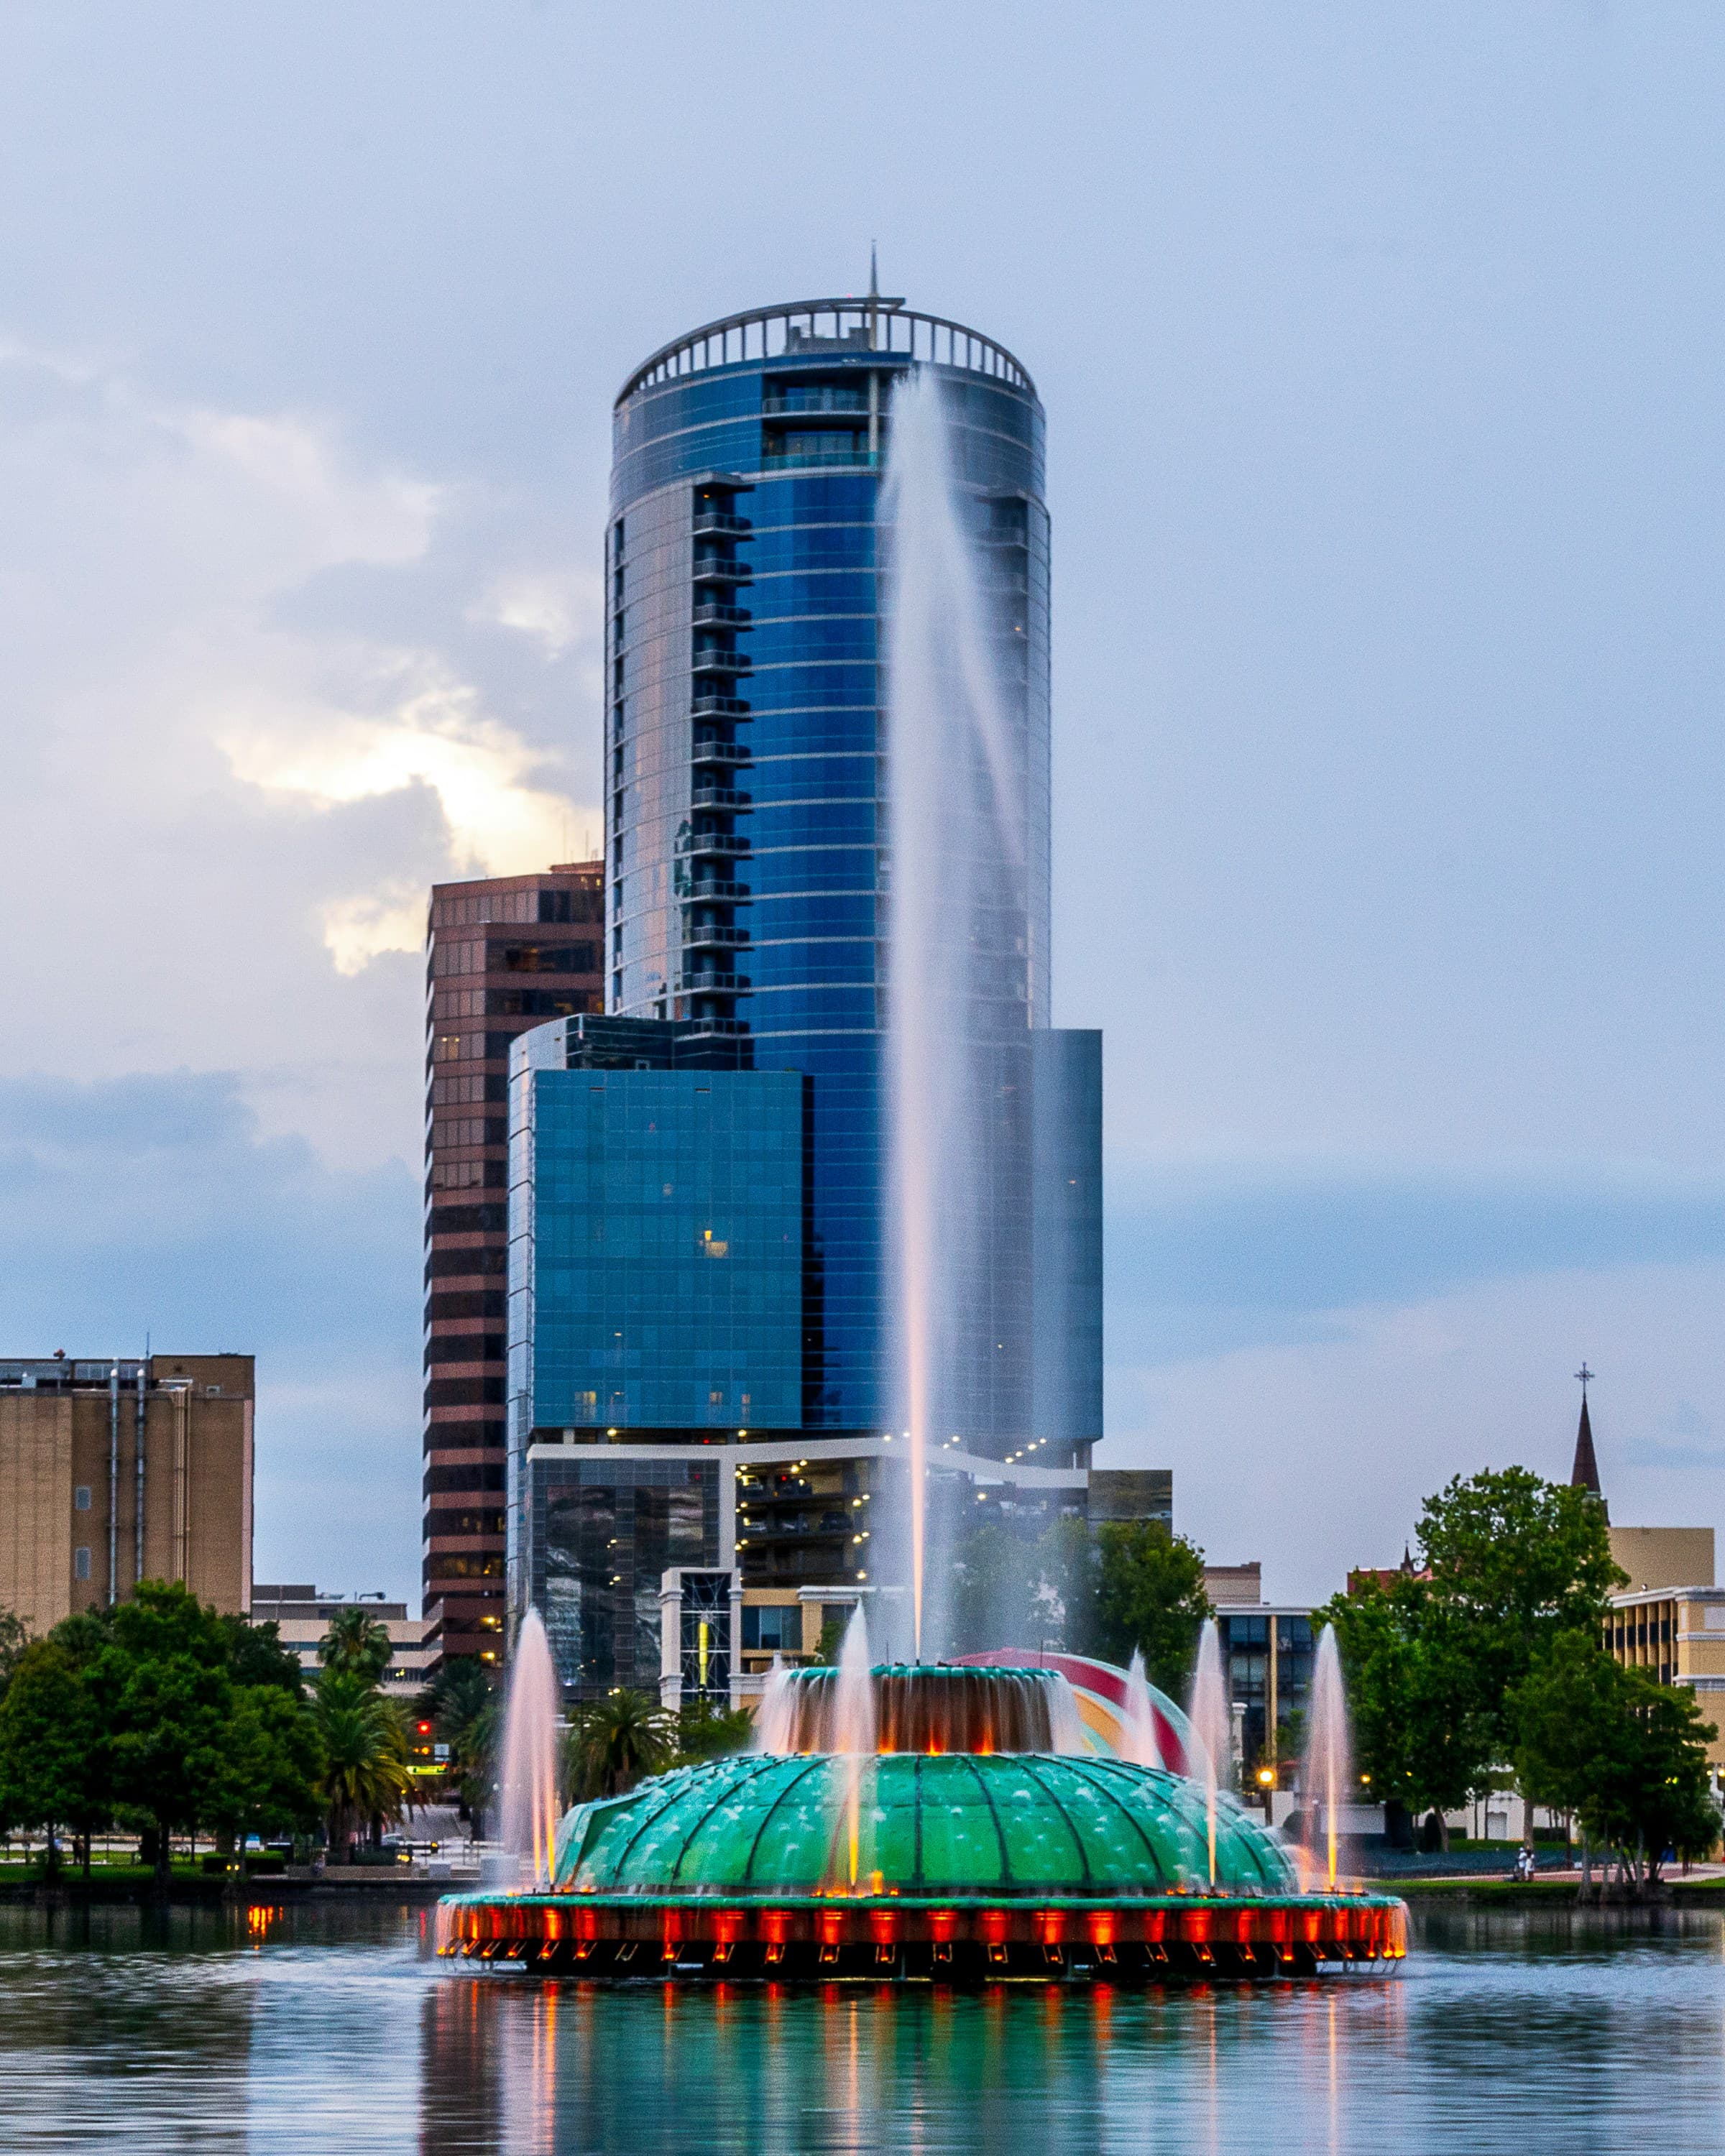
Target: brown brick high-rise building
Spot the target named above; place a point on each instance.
(112, 1471)
(503, 955)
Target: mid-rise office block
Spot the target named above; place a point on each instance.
(117, 1469)
(503, 954)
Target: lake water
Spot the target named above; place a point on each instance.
(326, 2031)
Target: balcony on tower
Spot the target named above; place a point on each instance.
(713, 844)
(720, 659)
(722, 569)
(734, 754)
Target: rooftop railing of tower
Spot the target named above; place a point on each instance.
(810, 328)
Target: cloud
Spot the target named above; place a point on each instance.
(157, 1206)
(264, 692)
(559, 609)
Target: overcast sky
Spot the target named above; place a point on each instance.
(1381, 350)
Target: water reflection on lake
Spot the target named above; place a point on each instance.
(325, 2030)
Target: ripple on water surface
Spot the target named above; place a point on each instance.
(325, 2030)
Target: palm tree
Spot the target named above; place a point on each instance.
(472, 1759)
(356, 1644)
(462, 1700)
(366, 1781)
(617, 1741)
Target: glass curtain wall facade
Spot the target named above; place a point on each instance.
(747, 862)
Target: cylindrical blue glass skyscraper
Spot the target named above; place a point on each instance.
(747, 858)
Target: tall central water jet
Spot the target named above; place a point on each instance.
(1328, 1777)
(958, 901)
(1211, 1726)
(531, 1807)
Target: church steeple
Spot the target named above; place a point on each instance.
(1584, 1474)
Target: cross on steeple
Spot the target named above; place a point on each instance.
(1584, 1474)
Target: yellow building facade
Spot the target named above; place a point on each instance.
(1676, 1634)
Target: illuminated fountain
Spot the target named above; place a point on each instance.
(967, 1844)
(934, 1821)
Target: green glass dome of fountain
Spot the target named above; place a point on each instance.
(999, 1824)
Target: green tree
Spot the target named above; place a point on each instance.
(14, 1638)
(1626, 1754)
(706, 1731)
(994, 1582)
(356, 1644)
(275, 1763)
(615, 1742)
(1515, 1561)
(54, 1763)
(367, 1785)
(462, 1706)
(1149, 1598)
(1011, 1590)
(1419, 1730)
(256, 1656)
(474, 1746)
(163, 1693)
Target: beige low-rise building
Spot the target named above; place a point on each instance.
(1677, 1634)
(302, 1617)
(1663, 1557)
(114, 1470)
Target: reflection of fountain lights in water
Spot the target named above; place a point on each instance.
(260, 1921)
(1211, 1726)
(956, 865)
(1328, 1767)
(530, 1808)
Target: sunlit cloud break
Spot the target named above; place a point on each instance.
(500, 817)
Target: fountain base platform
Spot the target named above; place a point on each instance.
(899, 1937)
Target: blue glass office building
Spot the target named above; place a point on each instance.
(734, 1090)
(749, 862)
